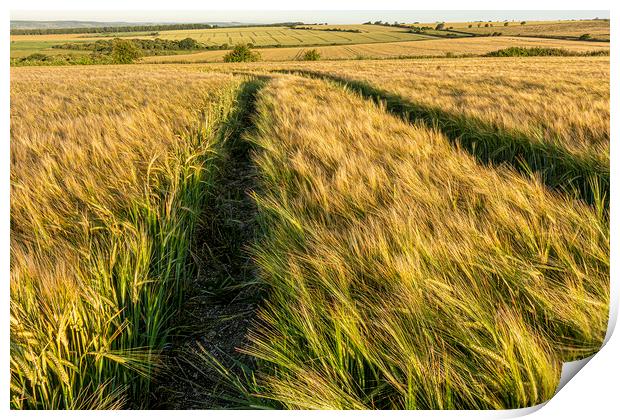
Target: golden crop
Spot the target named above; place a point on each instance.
(431, 47)
(598, 29)
(548, 115)
(404, 267)
(561, 100)
(108, 171)
(406, 275)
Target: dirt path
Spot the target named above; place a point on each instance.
(221, 301)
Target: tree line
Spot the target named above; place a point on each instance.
(136, 28)
(310, 28)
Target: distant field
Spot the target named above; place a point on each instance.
(598, 29)
(259, 36)
(145, 34)
(286, 36)
(358, 44)
(24, 48)
(430, 47)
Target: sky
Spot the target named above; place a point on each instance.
(329, 16)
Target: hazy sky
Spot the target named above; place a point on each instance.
(331, 16)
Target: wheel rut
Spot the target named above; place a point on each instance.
(222, 299)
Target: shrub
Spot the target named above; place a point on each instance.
(523, 23)
(505, 23)
(241, 53)
(125, 51)
(188, 44)
(537, 51)
(36, 57)
(585, 37)
(311, 55)
(440, 27)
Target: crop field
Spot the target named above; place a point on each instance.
(428, 233)
(108, 174)
(431, 47)
(467, 93)
(258, 36)
(24, 48)
(357, 39)
(394, 241)
(287, 36)
(597, 29)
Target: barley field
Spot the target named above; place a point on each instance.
(108, 176)
(405, 275)
(286, 36)
(566, 141)
(427, 233)
(421, 48)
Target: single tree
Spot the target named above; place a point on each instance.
(188, 44)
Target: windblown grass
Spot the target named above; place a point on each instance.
(402, 273)
(110, 170)
(549, 116)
